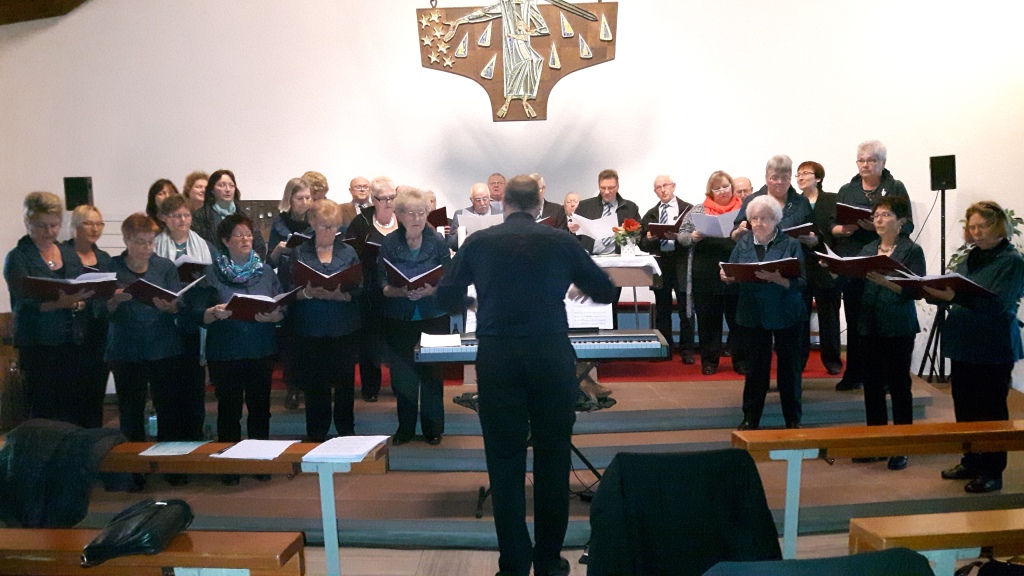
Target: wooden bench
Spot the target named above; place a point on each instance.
(800, 444)
(942, 538)
(127, 458)
(47, 551)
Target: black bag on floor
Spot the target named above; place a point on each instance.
(143, 528)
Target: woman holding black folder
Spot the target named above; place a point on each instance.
(323, 326)
(414, 249)
(49, 345)
(239, 353)
(982, 337)
(143, 347)
(293, 219)
(887, 324)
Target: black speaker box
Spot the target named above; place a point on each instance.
(77, 191)
(943, 172)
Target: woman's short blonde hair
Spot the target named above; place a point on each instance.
(42, 204)
(80, 213)
(715, 177)
(410, 197)
(326, 211)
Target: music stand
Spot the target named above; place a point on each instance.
(943, 173)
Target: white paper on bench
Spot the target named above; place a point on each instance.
(172, 448)
(344, 449)
(439, 340)
(256, 449)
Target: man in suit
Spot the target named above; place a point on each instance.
(496, 187)
(569, 203)
(672, 259)
(608, 201)
(550, 209)
(480, 205)
(527, 391)
(359, 188)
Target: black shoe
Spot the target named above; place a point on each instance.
(844, 385)
(726, 353)
(897, 462)
(708, 369)
(868, 459)
(687, 356)
(176, 479)
(291, 400)
(834, 369)
(793, 425)
(262, 477)
(397, 440)
(739, 368)
(370, 397)
(959, 472)
(559, 568)
(230, 479)
(746, 425)
(434, 440)
(984, 484)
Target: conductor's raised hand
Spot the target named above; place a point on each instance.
(576, 295)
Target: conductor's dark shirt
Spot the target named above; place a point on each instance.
(522, 270)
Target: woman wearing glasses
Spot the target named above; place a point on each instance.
(887, 324)
(323, 328)
(982, 338)
(49, 346)
(414, 249)
(88, 224)
(239, 353)
(178, 240)
(872, 182)
(367, 231)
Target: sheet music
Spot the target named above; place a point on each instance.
(471, 314)
(439, 340)
(598, 229)
(172, 448)
(344, 448)
(477, 223)
(588, 314)
(256, 449)
(715, 226)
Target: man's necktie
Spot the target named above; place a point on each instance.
(666, 245)
(607, 212)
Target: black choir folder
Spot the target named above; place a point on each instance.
(798, 231)
(245, 307)
(145, 291)
(847, 214)
(397, 278)
(958, 283)
(438, 218)
(189, 268)
(348, 279)
(788, 267)
(296, 239)
(102, 283)
(658, 230)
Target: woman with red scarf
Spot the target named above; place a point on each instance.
(706, 294)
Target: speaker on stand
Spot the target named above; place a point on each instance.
(943, 172)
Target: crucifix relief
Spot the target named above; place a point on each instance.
(518, 50)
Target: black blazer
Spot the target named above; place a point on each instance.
(557, 215)
(592, 208)
(675, 260)
(822, 216)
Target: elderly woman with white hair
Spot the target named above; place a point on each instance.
(771, 307)
(872, 183)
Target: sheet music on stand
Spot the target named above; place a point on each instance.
(344, 449)
(588, 314)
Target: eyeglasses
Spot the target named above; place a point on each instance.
(805, 173)
(384, 199)
(882, 215)
(44, 226)
(242, 236)
(483, 200)
(417, 214)
(979, 227)
(725, 188)
(96, 224)
(181, 216)
(867, 161)
(665, 186)
(360, 187)
(759, 219)
(778, 178)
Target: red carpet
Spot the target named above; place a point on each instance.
(675, 370)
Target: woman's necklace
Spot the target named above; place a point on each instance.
(50, 260)
(888, 250)
(324, 249)
(390, 223)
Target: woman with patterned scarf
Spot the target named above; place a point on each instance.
(239, 353)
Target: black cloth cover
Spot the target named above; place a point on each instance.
(883, 563)
(679, 514)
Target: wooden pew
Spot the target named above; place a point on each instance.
(127, 458)
(800, 444)
(942, 538)
(47, 551)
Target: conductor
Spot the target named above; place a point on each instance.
(525, 368)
